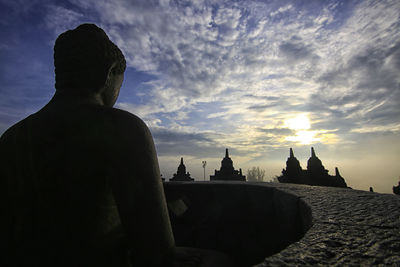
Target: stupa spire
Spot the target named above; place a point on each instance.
(227, 172)
(315, 174)
(312, 152)
(181, 174)
(337, 171)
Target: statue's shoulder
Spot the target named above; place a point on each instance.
(126, 119)
(15, 129)
(128, 124)
(128, 133)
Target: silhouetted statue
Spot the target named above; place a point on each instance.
(181, 174)
(316, 174)
(227, 172)
(396, 189)
(75, 171)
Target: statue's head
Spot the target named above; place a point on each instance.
(87, 62)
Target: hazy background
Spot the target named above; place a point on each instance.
(256, 77)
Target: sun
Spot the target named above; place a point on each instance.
(300, 122)
(300, 125)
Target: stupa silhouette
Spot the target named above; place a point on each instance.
(181, 174)
(227, 172)
(316, 174)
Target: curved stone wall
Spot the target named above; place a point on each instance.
(265, 224)
(245, 220)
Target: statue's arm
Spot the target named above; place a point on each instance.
(139, 193)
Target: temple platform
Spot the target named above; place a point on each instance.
(274, 224)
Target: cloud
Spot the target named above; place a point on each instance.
(395, 127)
(22, 7)
(294, 50)
(252, 64)
(61, 19)
(169, 136)
(180, 142)
(359, 88)
(281, 10)
(277, 131)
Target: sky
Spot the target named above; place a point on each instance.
(257, 77)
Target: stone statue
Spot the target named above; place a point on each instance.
(396, 189)
(80, 183)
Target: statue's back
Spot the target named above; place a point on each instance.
(56, 170)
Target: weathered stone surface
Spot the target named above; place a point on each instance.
(350, 228)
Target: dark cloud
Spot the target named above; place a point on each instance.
(295, 50)
(262, 107)
(387, 112)
(188, 149)
(174, 142)
(270, 102)
(372, 68)
(371, 77)
(171, 136)
(339, 125)
(277, 131)
(267, 98)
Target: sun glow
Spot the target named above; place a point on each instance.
(300, 122)
(303, 137)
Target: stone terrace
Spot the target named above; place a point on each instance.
(346, 227)
(350, 228)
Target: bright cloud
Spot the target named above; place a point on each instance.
(300, 122)
(303, 137)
